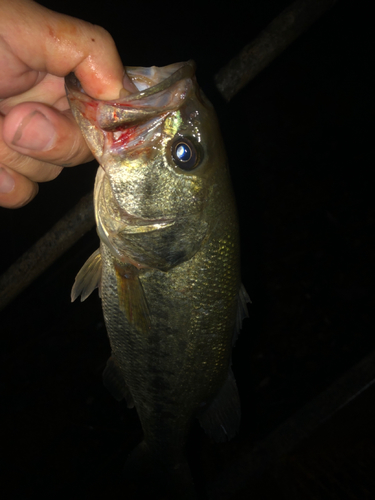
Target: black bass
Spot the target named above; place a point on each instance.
(168, 263)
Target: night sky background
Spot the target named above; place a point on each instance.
(300, 141)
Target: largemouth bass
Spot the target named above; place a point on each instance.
(168, 264)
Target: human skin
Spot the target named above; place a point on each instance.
(38, 135)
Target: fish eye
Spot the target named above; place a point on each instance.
(185, 154)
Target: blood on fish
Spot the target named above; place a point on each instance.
(89, 109)
(127, 134)
(123, 104)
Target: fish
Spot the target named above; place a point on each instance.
(168, 265)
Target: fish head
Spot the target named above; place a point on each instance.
(162, 162)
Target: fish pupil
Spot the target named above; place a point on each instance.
(185, 154)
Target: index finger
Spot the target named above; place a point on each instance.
(49, 42)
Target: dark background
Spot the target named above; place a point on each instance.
(300, 145)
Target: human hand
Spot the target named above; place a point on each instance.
(38, 134)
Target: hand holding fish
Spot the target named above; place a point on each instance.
(38, 135)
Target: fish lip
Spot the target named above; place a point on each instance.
(184, 70)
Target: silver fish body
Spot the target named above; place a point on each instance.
(168, 265)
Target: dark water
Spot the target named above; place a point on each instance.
(300, 144)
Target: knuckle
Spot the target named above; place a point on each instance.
(103, 34)
(31, 168)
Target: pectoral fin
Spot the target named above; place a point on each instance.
(131, 297)
(88, 278)
(113, 380)
(221, 420)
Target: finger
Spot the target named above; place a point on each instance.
(16, 190)
(14, 161)
(55, 43)
(45, 134)
(50, 90)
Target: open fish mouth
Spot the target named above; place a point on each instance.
(123, 127)
(160, 90)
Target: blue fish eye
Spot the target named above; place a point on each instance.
(184, 153)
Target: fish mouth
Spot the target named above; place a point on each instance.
(159, 90)
(115, 128)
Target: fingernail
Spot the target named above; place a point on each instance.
(6, 181)
(35, 132)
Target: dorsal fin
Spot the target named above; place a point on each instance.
(88, 278)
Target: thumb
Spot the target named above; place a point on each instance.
(46, 134)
